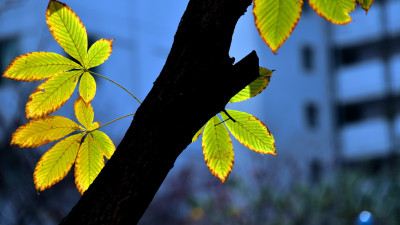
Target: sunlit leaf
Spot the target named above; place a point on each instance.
(366, 4)
(334, 11)
(87, 87)
(88, 163)
(67, 29)
(196, 136)
(254, 88)
(84, 113)
(276, 19)
(38, 66)
(250, 131)
(217, 148)
(94, 125)
(42, 131)
(54, 165)
(99, 52)
(107, 147)
(51, 94)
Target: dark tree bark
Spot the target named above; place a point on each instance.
(197, 81)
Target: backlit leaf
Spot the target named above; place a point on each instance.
(197, 134)
(254, 88)
(107, 147)
(217, 148)
(88, 163)
(366, 4)
(87, 87)
(336, 11)
(99, 52)
(54, 165)
(51, 94)
(42, 131)
(250, 131)
(84, 113)
(67, 29)
(94, 125)
(38, 66)
(276, 19)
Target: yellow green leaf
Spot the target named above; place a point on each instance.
(276, 19)
(197, 134)
(54, 165)
(51, 94)
(67, 29)
(42, 131)
(107, 147)
(94, 125)
(217, 148)
(87, 87)
(84, 113)
(250, 131)
(99, 52)
(88, 163)
(366, 4)
(38, 66)
(254, 88)
(336, 11)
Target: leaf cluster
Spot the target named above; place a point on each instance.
(246, 128)
(276, 19)
(88, 147)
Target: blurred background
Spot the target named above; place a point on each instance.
(333, 105)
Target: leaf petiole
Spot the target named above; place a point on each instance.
(112, 121)
(229, 116)
(115, 84)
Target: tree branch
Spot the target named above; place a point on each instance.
(196, 83)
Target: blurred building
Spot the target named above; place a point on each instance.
(335, 98)
(367, 83)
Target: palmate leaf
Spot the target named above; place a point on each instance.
(276, 19)
(38, 66)
(62, 73)
(366, 4)
(42, 131)
(89, 163)
(56, 162)
(67, 29)
(51, 94)
(217, 149)
(250, 131)
(54, 165)
(336, 11)
(99, 52)
(255, 87)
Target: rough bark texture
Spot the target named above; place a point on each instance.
(196, 82)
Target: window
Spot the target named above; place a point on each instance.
(307, 58)
(311, 115)
(8, 51)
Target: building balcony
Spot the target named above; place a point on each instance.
(362, 29)
(362, 81)
(366, 139)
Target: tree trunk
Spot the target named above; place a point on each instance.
(197, 81)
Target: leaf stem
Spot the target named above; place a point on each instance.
(112, 121)
(115, 84)
(229, 116)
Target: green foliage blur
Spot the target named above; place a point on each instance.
(336, 199)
